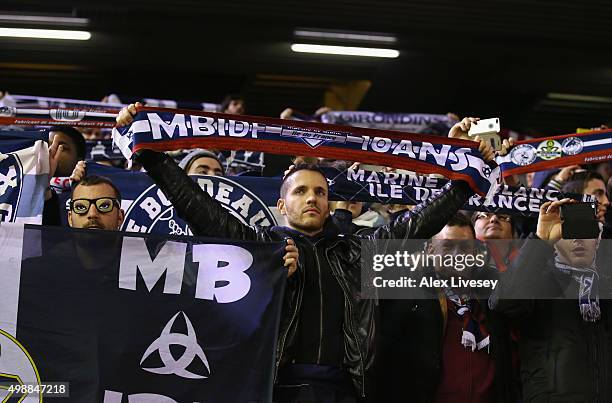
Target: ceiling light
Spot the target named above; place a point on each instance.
(344, 50)
(43, 19)
(45, 34)
(577, 97)
(345, 35)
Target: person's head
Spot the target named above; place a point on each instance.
(492, 225)
(73, 149)
(202, 162)
(458, 227)
(95, 204)
(577, 252)
(455, 239)
(304, 199)
(588, 183)
(233, 104)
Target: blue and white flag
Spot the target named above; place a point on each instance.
(104, 316)
(253, 199)
(24, 176)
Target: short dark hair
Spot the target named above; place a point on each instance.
(228, 99)
(76, 136)
(579, 181)
(91, 180)
(461, 220)
(295, 169)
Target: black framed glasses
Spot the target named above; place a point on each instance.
(487, 216)
(103, 205)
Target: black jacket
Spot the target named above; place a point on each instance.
(208, 218)
(563, 357)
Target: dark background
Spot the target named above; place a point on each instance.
(502, 59)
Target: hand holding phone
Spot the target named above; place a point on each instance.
(488, 130)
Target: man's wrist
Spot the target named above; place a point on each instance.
(48, 193)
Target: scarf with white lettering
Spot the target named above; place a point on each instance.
(475, 334)
(405, 122)
(165, 129)
(110, 103)
(10, 115)
(376, 187)
(36, 102)
(408, 188)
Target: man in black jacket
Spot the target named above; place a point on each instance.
(445, 345)
(558, 292)
(327, 333)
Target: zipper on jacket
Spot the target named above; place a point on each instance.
(281, 345)
(351, 324)
(595, 334)
(320, 305)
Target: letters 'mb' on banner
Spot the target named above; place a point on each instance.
(556, 152)
(167, 129)
(132, 318)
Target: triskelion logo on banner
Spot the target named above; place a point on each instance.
(171, 366)
(10, 186)
(151, 212)
(17, 369)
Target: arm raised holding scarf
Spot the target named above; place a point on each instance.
(208, 218)
(204, 216)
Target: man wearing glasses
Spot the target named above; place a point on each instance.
(95, 204)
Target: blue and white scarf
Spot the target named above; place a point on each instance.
(588, 295)
(164, 129)
(405, 122)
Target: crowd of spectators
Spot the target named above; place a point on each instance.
(528, 344)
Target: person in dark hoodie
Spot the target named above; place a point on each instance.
(448, 347)
(557, 292)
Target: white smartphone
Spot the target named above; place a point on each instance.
(484, 126)
(488, 130)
